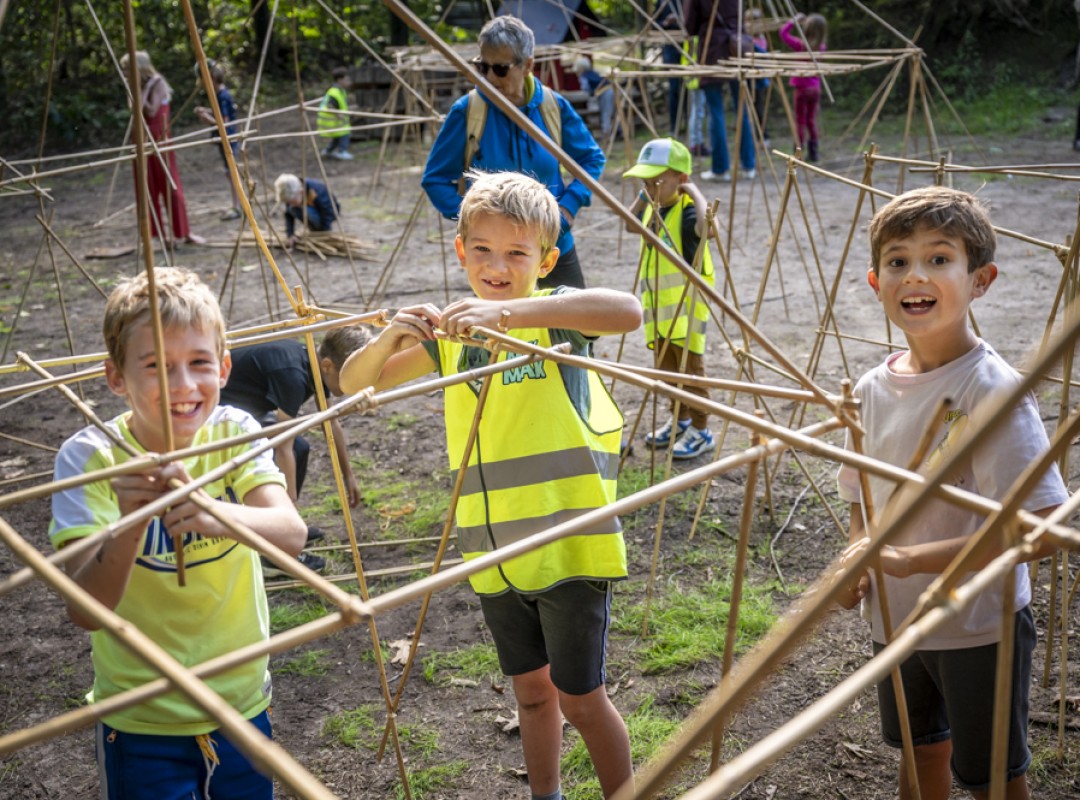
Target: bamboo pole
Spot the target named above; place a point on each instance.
(746, 520)
(142, 203)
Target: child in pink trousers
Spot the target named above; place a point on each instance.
(807, 89)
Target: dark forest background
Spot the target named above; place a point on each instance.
(53, 49)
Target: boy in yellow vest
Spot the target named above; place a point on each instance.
(168, 747)
(547, 450)
(332, 120)
(676, 315)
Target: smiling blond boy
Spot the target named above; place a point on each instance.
(547, 450)
(932, 254)
(163, 748)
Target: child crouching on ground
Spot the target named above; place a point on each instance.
(547, 451)
(676, 314)
(162, 748)
(932, 254)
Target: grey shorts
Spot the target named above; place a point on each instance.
(565, 626)
(950, 696)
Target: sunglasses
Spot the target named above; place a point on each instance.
(500, 70)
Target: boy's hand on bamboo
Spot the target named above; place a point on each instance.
(412, 325)
(460, 317)
(186, 516)
(138, 489)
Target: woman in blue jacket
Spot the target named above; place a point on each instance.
(506, 60)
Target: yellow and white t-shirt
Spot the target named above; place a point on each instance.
(222, 607)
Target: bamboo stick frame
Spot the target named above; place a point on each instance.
(805, 394)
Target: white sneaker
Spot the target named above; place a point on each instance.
(750, 174)
(694, 443)
(663, 435)
(723, 177)
(344, 155)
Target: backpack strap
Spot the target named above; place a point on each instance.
(549, 110)
(475, 117)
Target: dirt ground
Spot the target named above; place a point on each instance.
(44, 660)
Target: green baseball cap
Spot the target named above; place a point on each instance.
(660, 155)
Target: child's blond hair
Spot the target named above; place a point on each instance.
(935, 208)
(142, 63)
(184, 300)
(523, 200)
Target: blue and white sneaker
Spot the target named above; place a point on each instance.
(694, 443)
(662, 437)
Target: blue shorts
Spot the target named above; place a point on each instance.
(136, 766)
(565, 626)
(950, 696)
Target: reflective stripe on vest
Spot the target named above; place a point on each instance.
(328, 119)
(666, 295)
(536, 463)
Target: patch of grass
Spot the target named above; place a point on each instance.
(476, 663)
(649, 728)
(400, 422)
(355, 728)
(634, 479)
(687, 625)
(288, 613)
(1049, 771)
(425, 783)
(426, 503)
(324, 501)
(309, 664)
(362, 729)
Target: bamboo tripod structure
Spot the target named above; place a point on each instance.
(777, 439)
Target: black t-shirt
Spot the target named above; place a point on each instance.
(271, 376)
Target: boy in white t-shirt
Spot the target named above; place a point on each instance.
(932, 254)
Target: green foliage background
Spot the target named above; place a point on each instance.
(974, 46)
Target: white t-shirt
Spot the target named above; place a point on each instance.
(895, 411)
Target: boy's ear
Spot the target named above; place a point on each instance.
(548, 264)
(225, 369)
(872, 279)
(459, 248)
(984, 276)
(114, 377)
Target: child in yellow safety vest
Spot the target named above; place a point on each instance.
(546, 451)
(676, 313)
(333, 118)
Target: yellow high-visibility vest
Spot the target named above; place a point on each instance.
(666, 297)
(328, 119)
(535, 463)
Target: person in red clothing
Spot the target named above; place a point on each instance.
(165, 197)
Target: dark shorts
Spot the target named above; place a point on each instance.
(567, 272)
(950, 696)
(566, 627)
(136, 766)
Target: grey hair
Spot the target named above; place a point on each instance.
(508, 31)
(288, 187)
